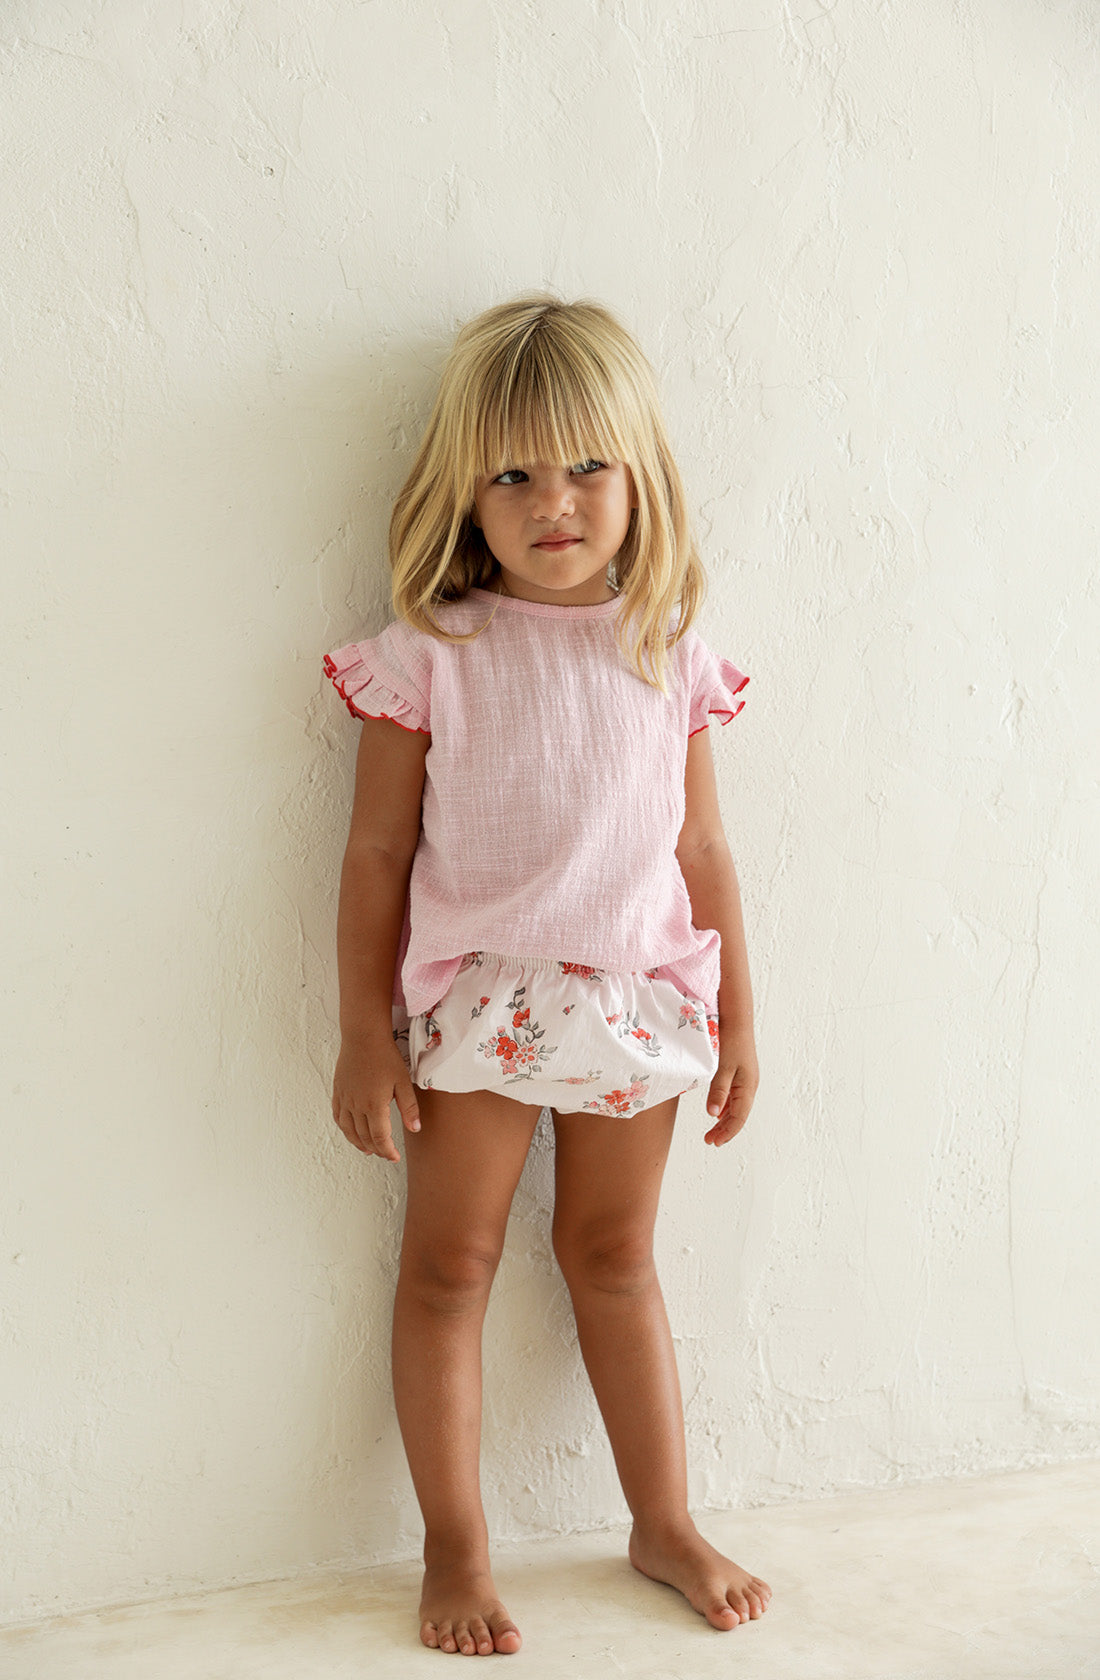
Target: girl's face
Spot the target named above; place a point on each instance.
(554, 530)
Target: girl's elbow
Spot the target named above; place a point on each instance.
(708, 849)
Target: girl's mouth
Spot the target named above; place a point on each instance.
(556, 543)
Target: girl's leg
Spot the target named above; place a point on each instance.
(462, 1168)
(608, 1179)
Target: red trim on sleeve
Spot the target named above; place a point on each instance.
(330, 671)
(362, 716)
(721, 712)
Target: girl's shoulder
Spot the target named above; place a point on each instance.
(418, 648)
(687, 649)
(393, 674)
(462, 615)
(692, 647)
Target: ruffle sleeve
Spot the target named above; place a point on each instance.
(372, 681)
(717, 684)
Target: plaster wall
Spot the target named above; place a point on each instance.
(859, 241)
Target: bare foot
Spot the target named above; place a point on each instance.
(460, 1611)
(720, 1590)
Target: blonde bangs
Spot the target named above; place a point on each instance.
(546, 406)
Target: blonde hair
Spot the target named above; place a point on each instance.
(540, 380)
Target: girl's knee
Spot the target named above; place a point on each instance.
(612, 1262)
(449, 1277)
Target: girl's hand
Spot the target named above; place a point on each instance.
(734, 1085)
(370, 1073)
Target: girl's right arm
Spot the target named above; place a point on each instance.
(385, 828)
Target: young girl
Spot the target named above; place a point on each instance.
(538, 907)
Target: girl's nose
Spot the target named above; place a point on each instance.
(553, 499)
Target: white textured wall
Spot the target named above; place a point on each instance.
(860, 241)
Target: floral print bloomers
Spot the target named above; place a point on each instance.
(562, 1035)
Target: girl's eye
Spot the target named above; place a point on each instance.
(516, 475)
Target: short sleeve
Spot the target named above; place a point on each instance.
(386, 677)
(715, 685)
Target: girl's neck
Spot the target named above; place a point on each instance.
(497, 586)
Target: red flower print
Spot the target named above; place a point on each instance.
(628, 1025)
(518, 1053)
(621, 1102)
(712, 1026)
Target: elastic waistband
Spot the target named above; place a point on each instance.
(545, 963)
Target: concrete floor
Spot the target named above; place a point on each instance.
(989, 1579)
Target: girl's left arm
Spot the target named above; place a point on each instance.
(703, 854)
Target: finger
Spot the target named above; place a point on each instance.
(723, 1132)
(405, 1098)
(344, 1119)
(718, 1095)
(381, 1136)
(343, 1116)
(731, 1122)
(349, 1126)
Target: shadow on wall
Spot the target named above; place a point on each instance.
(285, 558)
(209, 774)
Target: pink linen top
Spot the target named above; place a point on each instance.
(553, 790)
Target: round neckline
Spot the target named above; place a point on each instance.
(549, 609)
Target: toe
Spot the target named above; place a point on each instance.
(505, 1633)
(465, 1639)
(482, 1638)
(447, 1641)
(429, 1636)
(747, 1600)
(721, 1615)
